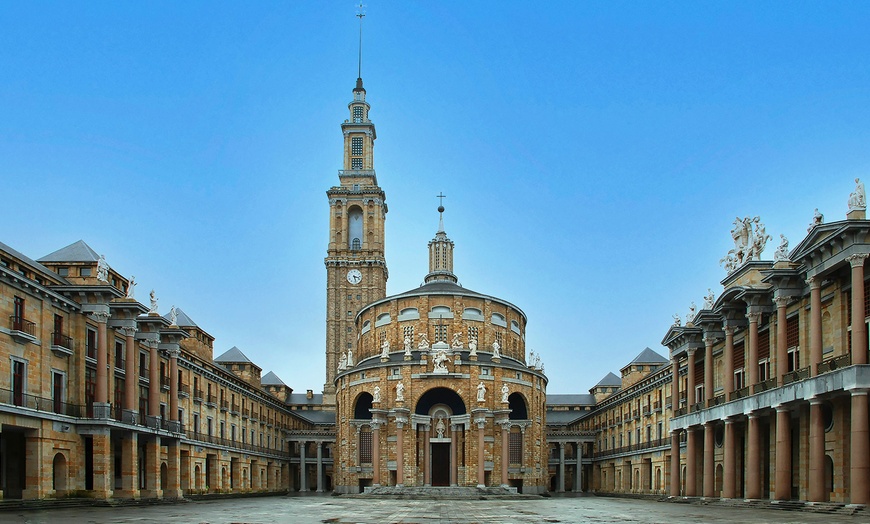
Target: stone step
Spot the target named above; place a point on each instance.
(447, 492)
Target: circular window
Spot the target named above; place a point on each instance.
(828, 416)
(719, 435)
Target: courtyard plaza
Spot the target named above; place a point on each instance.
(314, 509)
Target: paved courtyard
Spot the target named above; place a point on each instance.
(347, 510)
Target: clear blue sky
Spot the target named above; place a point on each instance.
(594, 155)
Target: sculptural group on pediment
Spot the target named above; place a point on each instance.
(750, 238)
(818, 219)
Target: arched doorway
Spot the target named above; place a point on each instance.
(59, 474)
(197, 478)
(440, 405)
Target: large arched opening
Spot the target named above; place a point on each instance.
(440, 452)
(59, 474)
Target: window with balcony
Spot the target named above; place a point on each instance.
(764, 369)
(58, 391)
(738, 379)
(19, 375)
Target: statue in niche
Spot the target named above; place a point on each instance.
(102, 269)
(342, 363)
(440, 428)
(472, 345)
(385, 349)
(504, 393)
(153, 302)
(424, 342)
(131, 287)
(440, 361)
(781, 253)
(407, 343)
(481, 392)
(709, 298)
(495, 349)
(376, 394)
(400, 392)
(818, 219)
(350, 358)
(858, 199)
(692, 313)
(677, 320)
(173, 316)
(457, 343)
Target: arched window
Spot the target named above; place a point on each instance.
(498, 320)
(515, 327)
(383, 318)
(367, 325)
(440, 312)
(471, 313)
(355, 228)
(362, 409)
(409, 313)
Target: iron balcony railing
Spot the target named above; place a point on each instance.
(59, 339)
(17, 323)
(210, 439)
(49, 405)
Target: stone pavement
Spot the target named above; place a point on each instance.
(325, 509)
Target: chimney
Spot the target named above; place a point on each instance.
(309, 394)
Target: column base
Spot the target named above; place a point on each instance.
(172, 494)
(127, 494)
(151, 493)
(102, 410)
(481, 486)
(99, 495)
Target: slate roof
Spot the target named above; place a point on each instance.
(301, 399)
(317, 417)
(271, 379)
(610, 380)
(442, 287)
(182, 320)
(648, 356)
(575, 399)
(564, 418)
(75, 252)
(233, 354)
(29, 261)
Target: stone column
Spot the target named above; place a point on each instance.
(691, 462)
(675, 463)
(729, 462)
(427, 467)
(454, 454)
(815, 325)
(376, 454)
(690, 379)
(753, 458)
(131, 377)
(859, 329)
(560, 488)
(709, 463)
(303, 468)
(102, 460)
(782, 480)
(816, 490)
(708, 370)
(400, 453)
(319, 467)
(129, 463)
(675, 385)
(152, 469)
(751, 364)
(860, 452)
(481, 462)
(173, 386)
(505, 451)
(781, 339)
(154, 387)
(728, 379)
(578, 471)
(172, 490)
(101, 393)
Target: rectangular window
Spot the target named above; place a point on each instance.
(18, 317)
(143, 400)
(794, 358)
(91, 344)
(196, 422)
(18, 376)
(440, 333)
(738, 379)
(356, 163)
(223, 429)
(63, 271)
(85, 271)
(143, 365)
(365, 447)
(515, 447)
(356, 146)
(210, 426)
(57, 391)
(90, 388)
(764, 369)
(699, 394)
(357, 114)
(119, 354)
(792, 330)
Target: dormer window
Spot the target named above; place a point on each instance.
(357, 114)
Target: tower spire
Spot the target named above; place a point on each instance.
(360, 13)
(441, 250)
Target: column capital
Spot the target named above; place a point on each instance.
(815, 401)
(814, 282)
(781, 302)
(857, 260)
(691, 352)
(857, 392)
(754, 317)
(128, 331)
(729, 330)
(100, 316)
(709, 339)
(174, 352)
(781, 407)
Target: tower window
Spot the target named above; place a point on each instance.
(355, 245)
(356, 146)
(440, 333)
(357, 114)
(356, 163)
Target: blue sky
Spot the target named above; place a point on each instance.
(594, 155)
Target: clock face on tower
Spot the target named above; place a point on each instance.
(354, 276)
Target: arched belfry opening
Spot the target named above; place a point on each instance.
(355, 228)
(363, 406)
(517, 405)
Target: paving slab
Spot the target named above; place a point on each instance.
(325, 509)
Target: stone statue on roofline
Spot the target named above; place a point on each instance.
(690, 317)
(385, 349)
(173, 316)
(858, 198)
(781, 253)
(350, 358)
(677, 320)
(102, 269)
(131, 287)
(342, 363)
(472, 345)
(818, 219)
(153, 303)
(709, 299)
